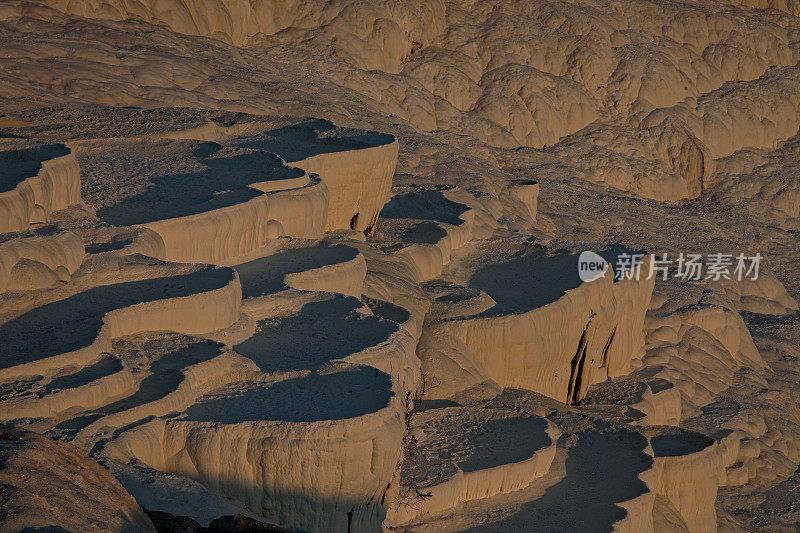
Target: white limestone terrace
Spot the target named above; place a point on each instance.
(303, 405)
(166, 370)
(37, 179)
(287, 323)
(424, 227)
(276, 381)
(658, 126)
(296, 462)
(303, 264)
(104, 386)
(239, 194)
(494, 315)
(318, 147)
(468, 454)
(74, 323)
(31, 261)
(683, 458)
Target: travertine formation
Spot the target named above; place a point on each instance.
(337, 289)
(465, 455)
(37, 180)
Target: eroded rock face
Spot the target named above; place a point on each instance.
(238, 185)
(37, 180)
(466, 455)
(245, 312)
(529, 322)
(49, 484)
(264, 389)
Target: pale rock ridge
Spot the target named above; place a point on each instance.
(696, 344)
(755, 181)
(698, 348)
(376, 39)
(473, 438)
(50, 182)
(725, 124)
(790, 6)
(691, 356)
(765, 295)
(38, 262)
(527, 103)
(236, 230)
(327, 490)
(205, 311)
(426, 261)
(598, 333)
(660, 404)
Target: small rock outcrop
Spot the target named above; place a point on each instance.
(48, 484)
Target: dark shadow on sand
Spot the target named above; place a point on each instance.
(529, 436)
(527, 281)
(318, 333)
(18, 165)
(265, 274)
(224, 183)
(602, 469)
(424, 205)
(339, 395)
(312, 137)
(74, 322)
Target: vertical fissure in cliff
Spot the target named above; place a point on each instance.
(607, 347)
(577, 364)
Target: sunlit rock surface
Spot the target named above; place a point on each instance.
(315, 264)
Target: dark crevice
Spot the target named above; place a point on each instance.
(354, 221)
(607, 347)
(577, 364)
(385, 491)
(577, 369)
